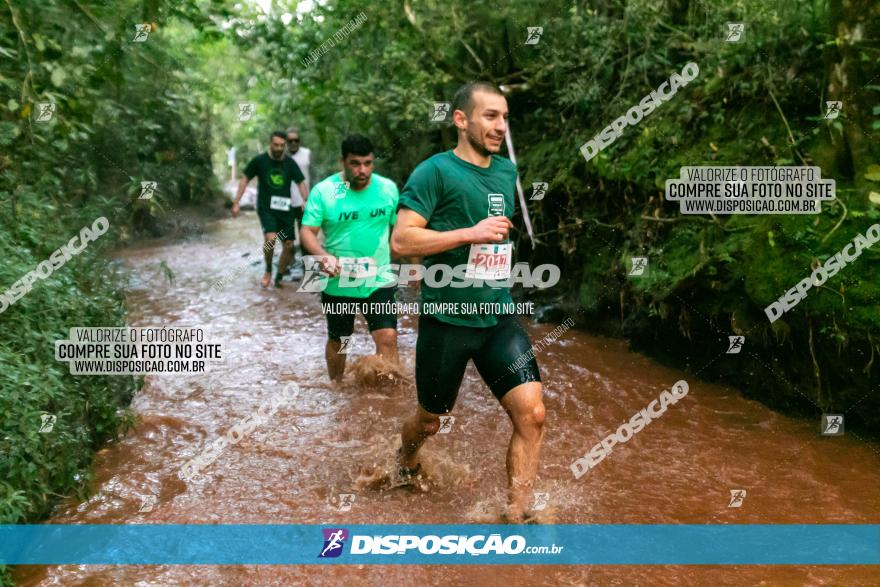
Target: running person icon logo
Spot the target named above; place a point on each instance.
(313, 282)
(832, 425)
(534, 34)
(734, 32)
(147, 504)
(47, 423)
(45, 111)
(246, 111)
(148, 188)
(639, 264)
(334, 541)
(737, 496)
(539, 189)
(142, 32)
(736, 344)
(832, 109)
(342, 189)
(441, 112)
(446, 423)
(541, 501)
(346, 500)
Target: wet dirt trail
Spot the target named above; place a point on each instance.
(292, 469)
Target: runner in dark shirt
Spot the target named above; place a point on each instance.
(275, 172)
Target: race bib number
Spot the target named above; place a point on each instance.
(357, 267)
(489, 262)
(280, 203)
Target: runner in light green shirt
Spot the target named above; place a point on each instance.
(356, 210)
(356, 225)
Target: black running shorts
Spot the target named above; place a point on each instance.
(443, 351)
(279, 221)
(376, 309)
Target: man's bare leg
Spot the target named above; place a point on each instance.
(335, 360)
(268, 253)
(284, 261)
(415, 431)
(386, 343)
(525, 406)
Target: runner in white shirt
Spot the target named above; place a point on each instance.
(303, 158)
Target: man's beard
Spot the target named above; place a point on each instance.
(478, 146)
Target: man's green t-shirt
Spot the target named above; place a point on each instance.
(451, 193)
(357, 226)
(274, 177)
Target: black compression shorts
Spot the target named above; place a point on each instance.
(377, 311)
(443, 351)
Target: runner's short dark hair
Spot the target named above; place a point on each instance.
(356, 145)
(462, 100)
(278, 133)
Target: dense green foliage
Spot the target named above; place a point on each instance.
(125, 112)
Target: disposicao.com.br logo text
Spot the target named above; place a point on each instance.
(392, 544)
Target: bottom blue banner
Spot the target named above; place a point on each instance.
(627, 544)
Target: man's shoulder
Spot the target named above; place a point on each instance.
(384, 183)
(504, 164)
(433, 166)
(327, 185)
(435, 161)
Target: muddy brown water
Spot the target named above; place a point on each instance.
(292, 469)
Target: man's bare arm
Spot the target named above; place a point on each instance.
(411, 238)
(242, 185)
(309, 236)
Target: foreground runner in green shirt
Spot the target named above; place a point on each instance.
(455, 209)
(356, 210)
